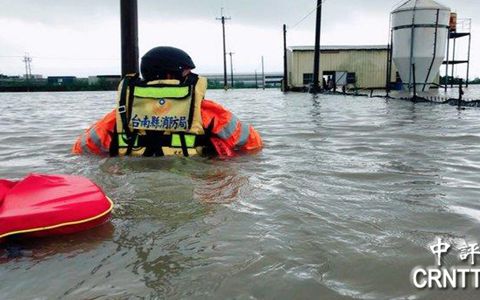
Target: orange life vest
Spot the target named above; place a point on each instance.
(160, 117)
(98, 138)
(228, 130)
(228, 134)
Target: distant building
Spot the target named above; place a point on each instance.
(61, 80)
(33, 76)
(359, 66)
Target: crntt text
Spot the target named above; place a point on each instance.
(443, 278)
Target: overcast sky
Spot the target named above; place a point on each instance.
(81, 38)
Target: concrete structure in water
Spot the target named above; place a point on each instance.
(352, 66)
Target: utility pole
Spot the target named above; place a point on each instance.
(223, 18)
(448, 57)
(316, 60)
(129, 36)
(263, 74)
(468, 59)
(389, 62)
(256, 80)
(28, 69)
(231, 68)
(285, 70)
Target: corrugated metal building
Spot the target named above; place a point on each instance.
(366, 64)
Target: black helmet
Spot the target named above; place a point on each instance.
(161, 60)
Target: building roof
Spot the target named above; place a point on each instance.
(338, 48)
(420, 4)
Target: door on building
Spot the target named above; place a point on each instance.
(333, 79)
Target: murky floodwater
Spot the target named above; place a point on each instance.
(342, 202)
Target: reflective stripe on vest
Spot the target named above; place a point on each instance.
(165, 92)
(96, 140)
(91, 134)
(244, 133)
(123, 137)
(229, 129)
(189, 140)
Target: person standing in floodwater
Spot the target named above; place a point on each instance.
(166, 114)
(329, 83)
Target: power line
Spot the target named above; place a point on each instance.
(307, 15)
(76, 58)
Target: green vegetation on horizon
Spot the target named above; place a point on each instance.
(43, 86)
(81, 84)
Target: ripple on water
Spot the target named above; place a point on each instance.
(342, 202)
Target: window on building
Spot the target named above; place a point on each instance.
(307, 78)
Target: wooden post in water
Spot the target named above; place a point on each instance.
(225, 84)
(468, 59)
(389, 63)
(129, 36)
(414, 84)
(447, 61)
(316, 60)
(263, 74)
(285, 67)
(460, 93)
(231, 68)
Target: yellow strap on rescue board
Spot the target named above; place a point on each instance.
(62, 224)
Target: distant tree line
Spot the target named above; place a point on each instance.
(458, 80)
(35, 85)
(475, 81)
(16, 84)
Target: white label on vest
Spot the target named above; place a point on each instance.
(160, 114)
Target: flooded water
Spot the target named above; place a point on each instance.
(343, 202)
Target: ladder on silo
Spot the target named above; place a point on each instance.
(462, 29)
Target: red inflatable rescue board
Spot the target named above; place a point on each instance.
(43, 205)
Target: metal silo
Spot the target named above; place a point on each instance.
(420, 31)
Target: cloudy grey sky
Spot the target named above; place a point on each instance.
(81, 38)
